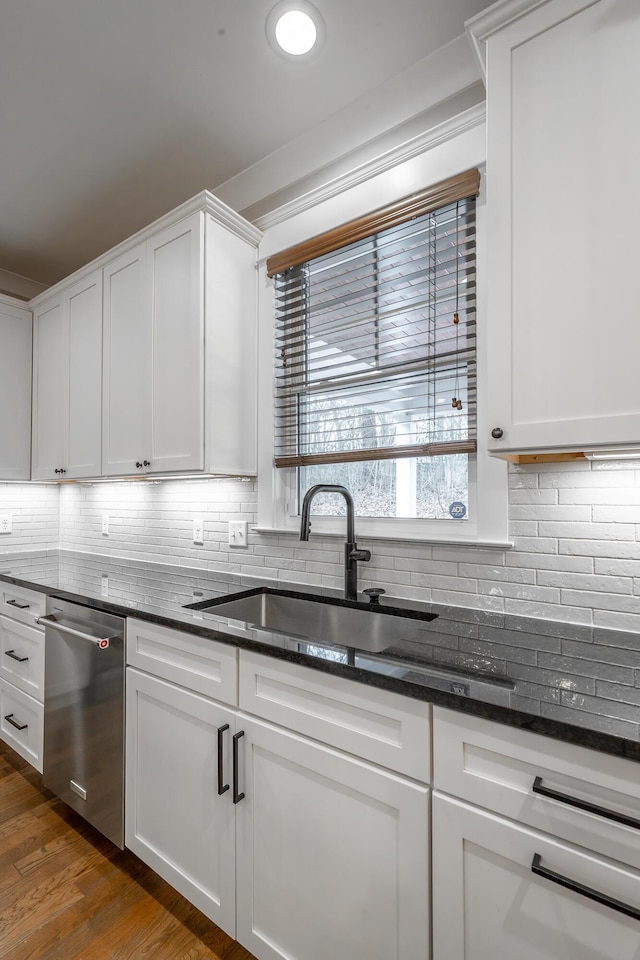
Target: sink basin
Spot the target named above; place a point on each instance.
(365, 626)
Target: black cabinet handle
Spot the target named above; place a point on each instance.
(138, 464)
(60, 470)
(584, 805)
(16, 603)
(497, 433)
(14, 723)
(222, 787)
(14, 656)
(588, 892)
(237, 797)
(146, 463)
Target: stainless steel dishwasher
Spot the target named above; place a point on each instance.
(84, 713)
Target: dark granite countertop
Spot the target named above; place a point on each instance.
(575, 683)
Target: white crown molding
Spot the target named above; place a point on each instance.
(467, 120)
(22, 288)
(203, 201)
(13, 304)
(495, 17)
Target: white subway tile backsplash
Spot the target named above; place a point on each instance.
(535, 544)
(610, 567)
(624, 514)
(591, 531)
(620, 549)
(591, 583)
(533, 495)
(549, 611)
(502, 574)
(575, 530)
(564, 513)
(549, 561)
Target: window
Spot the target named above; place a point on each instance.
(375, 357)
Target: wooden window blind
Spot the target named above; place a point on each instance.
(375, 334)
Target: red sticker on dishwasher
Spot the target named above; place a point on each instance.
(103, 644)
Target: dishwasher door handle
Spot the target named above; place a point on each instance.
(50, 621)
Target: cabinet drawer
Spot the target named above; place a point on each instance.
(496, 766)
(21, 723)
(373, 724)
(22, 604)
(488, 902)
(194, 662)
(22, 656)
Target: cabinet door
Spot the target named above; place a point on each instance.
(487, 902)
(175, 261)
(50, 389)
(127, 365)
(15, 392)
(333, 856)
(83, 305)
(563, 205)
(175, 819)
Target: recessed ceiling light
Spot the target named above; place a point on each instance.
(295, 29)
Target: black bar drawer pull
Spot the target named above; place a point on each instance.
(222, 788)
(237, 797)
(14, 656)
(16, 603)
(582, 889)
(14, 723)
(584, 805)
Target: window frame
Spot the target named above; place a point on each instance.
(487, 523)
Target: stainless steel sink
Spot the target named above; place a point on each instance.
(370, 627)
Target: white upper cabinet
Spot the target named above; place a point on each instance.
(563, 207)
(145, 362)
(67, 380)
(154, 354)
(15, 390)
(126, 395)
(180, 351)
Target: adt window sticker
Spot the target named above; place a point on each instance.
(458, 510)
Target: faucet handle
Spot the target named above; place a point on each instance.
(374, 594)
(357, 554)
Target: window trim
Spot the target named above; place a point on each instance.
(489, 526)
(438, 195)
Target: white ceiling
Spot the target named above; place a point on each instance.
(114, 111)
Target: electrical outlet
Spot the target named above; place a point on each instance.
(198, 531)
(237, 533)
(104, 585)
(6, 524)
(105, 524)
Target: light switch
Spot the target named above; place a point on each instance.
(237, 533)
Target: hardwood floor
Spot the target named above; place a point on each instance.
(66, 893)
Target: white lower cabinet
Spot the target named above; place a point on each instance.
(535, 846)
(176, 821)
(332, 854)
(488, 902)
(299, 850)
(22, 672)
